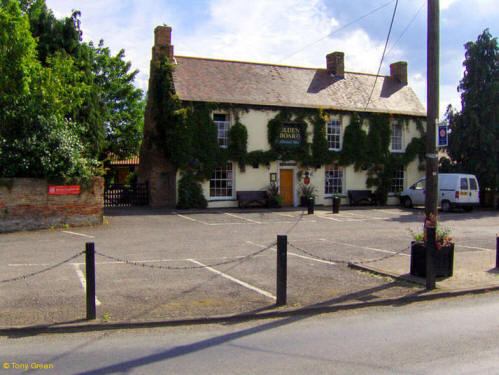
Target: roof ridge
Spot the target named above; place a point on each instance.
(270, 64)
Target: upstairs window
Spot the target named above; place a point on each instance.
(334, 135)
(223, 125)
(397, 137)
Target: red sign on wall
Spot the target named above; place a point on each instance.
(64, 190)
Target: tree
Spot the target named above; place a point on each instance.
(110, 117)
(36, 139)
(473, 144)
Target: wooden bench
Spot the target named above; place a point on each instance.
(246, 198)
(356, 197)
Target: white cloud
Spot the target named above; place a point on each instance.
(445, 4)
(292, 32)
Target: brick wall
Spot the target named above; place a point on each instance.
(26, 205)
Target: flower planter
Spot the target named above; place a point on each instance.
(443, 260)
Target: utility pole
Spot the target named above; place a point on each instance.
(431, 152)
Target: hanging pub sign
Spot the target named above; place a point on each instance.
(290, 135)
(443, 135)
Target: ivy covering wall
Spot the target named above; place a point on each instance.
(188, 136)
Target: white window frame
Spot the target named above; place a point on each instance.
(397, 137)
(332, 174)
(333, 130)
(222, 129)
(398, 181)
(222, 176)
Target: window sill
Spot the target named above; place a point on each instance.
(220, 199)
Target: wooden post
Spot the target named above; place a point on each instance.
(431, 152)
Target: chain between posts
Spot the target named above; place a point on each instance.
(139, 264)
(23, 277)
(126, 261)
(347, 261)
(234, 260)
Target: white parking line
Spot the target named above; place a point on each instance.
(242, 218)
(237, 281)
(27, 264)
(191, 219)
(329, 218)
(294, 254)
(362, 247)
(474, 247)
(77, 234)
(83, 281)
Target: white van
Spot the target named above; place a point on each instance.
(454, 190)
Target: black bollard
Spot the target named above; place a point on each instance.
(90, 275)
(336, 205)
(497, 252)
(310, 206)
(282, 249)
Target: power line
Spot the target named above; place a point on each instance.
(338, 30)
(383, 56)
(407, 27)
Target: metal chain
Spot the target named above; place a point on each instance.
(297, 222)
(126, 261)
(139, 264)
(23, 277)
(234, 260)
(348, 261)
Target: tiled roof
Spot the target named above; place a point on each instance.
(219, 81)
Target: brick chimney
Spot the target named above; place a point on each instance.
(335, 62)
(398, 71)
(163, 42)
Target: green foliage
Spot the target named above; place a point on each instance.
(18, 53)
(171, 119)
(354, 144)
(63, 103)
(259, 157)
(378, 138)
(320, 145)
(238, 144)
(275, 199)
(36, 138)
(122, 104)
(186, 133)
(474, 131)
(307, 191)
(205, 149)
(190, 194)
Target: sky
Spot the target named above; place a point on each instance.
(292, 32)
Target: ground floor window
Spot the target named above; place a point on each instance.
(398, 180)
(221, 183)
(334, 180)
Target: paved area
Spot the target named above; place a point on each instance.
(157, 265)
